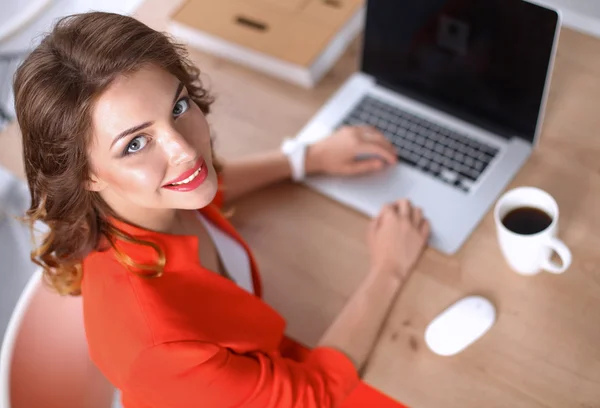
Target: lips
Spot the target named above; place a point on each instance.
(187, 174)
(190, 179)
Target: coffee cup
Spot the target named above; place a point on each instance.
(527, 227)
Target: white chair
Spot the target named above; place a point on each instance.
(44, 361)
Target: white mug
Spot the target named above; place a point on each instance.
(530, 254)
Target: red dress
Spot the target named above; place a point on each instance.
(192, 338)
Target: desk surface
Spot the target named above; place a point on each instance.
(544, 350)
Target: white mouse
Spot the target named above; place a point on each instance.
(460, 325)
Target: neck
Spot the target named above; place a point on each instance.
(159, 220)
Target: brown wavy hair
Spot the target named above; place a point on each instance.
(55, 90)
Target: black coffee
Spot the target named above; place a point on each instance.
(527, 220)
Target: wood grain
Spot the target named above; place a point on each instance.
(544, 350)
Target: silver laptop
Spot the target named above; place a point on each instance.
(459, 87)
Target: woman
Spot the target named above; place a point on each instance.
(120, 165)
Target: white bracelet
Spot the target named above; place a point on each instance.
(295, 151)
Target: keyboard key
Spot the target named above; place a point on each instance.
(463, 149)
(474, 144)
(467, 184)
(438, 158)
(486, 158)
(434, 167)
(468, 173)
(411, 146)
(448, 175)
(391, 136)
(423, 131)
(410, 159)
(457, 166)
(403, 153)
(472, 152)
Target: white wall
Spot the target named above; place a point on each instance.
(28, 36)
(37, 21)
(582, 15)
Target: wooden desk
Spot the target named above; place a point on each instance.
(544, 350)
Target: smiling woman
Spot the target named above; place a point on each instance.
(120, 165)
(65, 116)
(151, 143)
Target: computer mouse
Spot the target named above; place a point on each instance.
(460, 325)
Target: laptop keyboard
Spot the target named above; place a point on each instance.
(441, 152)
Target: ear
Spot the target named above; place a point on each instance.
(95, 184)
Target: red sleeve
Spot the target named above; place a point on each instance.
(196, 374)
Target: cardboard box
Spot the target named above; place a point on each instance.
(296, 40)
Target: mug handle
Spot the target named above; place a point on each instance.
(565, 255)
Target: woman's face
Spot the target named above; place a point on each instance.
(152, 147)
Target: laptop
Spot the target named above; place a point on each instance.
(459, 87)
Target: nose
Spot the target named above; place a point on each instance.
(177, 148)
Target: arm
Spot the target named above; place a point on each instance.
(396, 238)
(252, 173)
(195, 373)
(333, 155)
(199, 374)
(357, 327)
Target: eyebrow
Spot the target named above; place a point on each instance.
(130, 131)
(179, 89)
(145, 124)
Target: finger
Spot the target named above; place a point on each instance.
(425, 228)
(365, 166)
(375, 149)
(373, 135)
(404, 208)
(391, 208)
(417, 216)
(380, 140)
(388, 211)
(377, 220)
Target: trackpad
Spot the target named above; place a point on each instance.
(366, 193)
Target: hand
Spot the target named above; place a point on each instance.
(397, 237)
(337, 154)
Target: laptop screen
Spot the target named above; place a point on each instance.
(485, 61)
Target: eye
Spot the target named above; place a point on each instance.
(136, 144)
(181, 106)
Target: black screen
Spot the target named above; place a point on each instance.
(485, 61)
